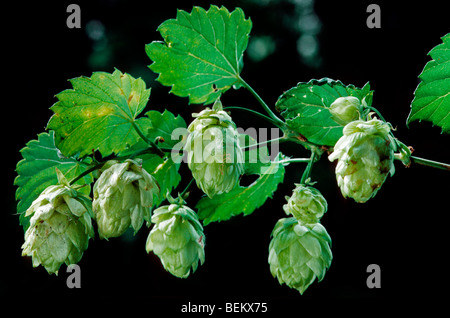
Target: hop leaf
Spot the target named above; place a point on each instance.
(431, 98)
(99, 113)
(123, 196)
(171, 132)
(365, 158)
(60, 228)
(202, 51)
(177, 238)
(242, 200)
(36, 171)
(299, 253)
(307, 108)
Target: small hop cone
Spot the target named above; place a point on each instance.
(306, 204)
(123, 197)
(214, 156)
(298, 253)
(345, 109)
(60, 228)
(365, 158)
(177, 239)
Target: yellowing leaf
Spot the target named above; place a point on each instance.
(99, 113)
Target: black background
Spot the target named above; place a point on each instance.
(402, 229)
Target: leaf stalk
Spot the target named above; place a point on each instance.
(152, 144)
(272, 115)
(308, 169)
(86, 172)
(430, 163)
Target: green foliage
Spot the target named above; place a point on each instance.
(37, 170)
(306, 108)
(242, 200)
(95, 129)
(165, 125)
(170, 130)
(165, 171)
(256, 157)
(432, 96)
(99, 113)
(202, 51)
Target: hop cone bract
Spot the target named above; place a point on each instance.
(306, 204)
(365, 158)
(60, 228)
(298, 253)
(177, 239)
(214, 155)
(123, 197)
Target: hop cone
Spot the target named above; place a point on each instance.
(214, 155)
(306, 204)
(298, 253)
(365, 157)
(345, 109)
(60, 228)
(123, 197)
(177, 238)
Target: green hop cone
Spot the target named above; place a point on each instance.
(365, 157)
(177, 239)
(123, 197)
(60, 228)
(298, 253)
(214, 156)
(306, 204)
(345, 109)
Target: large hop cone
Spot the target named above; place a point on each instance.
(177, 239)
(306, 204)
(123, 197)
(213, 151)
(60, 228)
(298, 253)
(365, 157)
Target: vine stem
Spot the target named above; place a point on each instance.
(263, 143)
(85, 173)
(254, 113)
(152, 144)
(272, 115)
(182, 194)
(99, 165)
(290, 160)
(308, 169)
(377, 112)
(430, 163)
